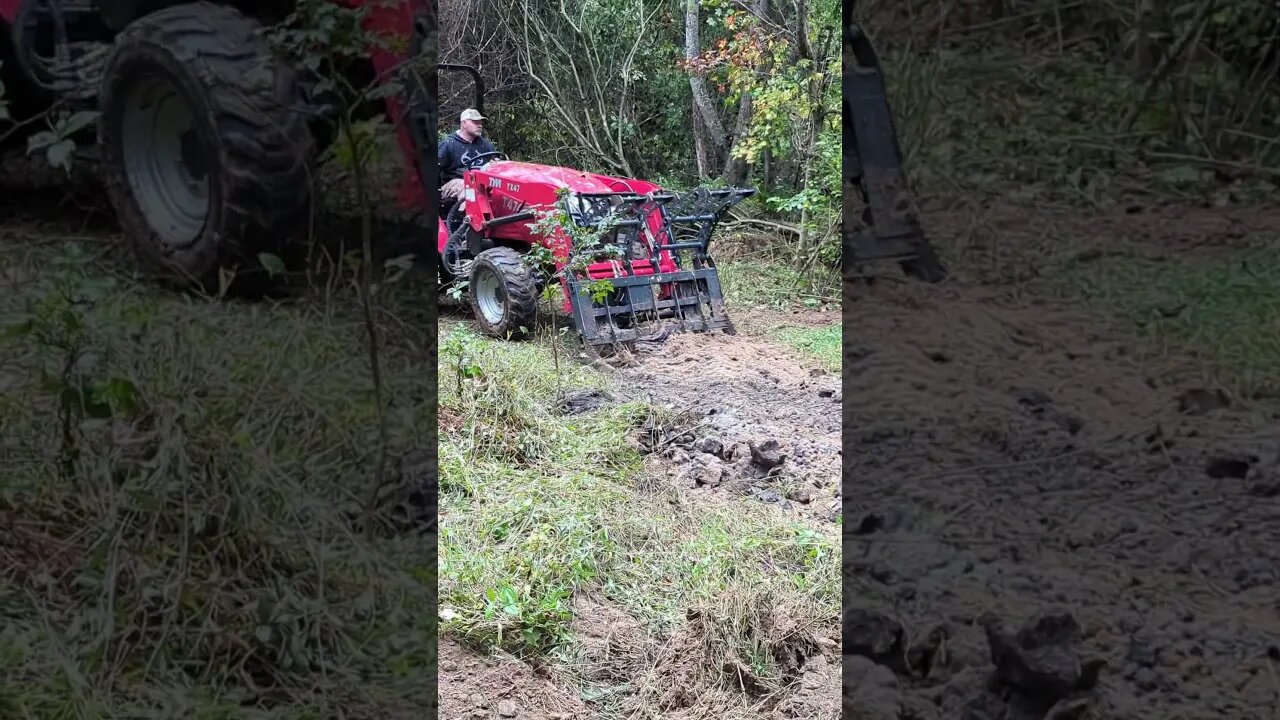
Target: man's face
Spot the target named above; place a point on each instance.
(474, 128)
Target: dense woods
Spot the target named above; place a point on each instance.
(682, 92)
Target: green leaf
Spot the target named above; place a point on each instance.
(272, 263)
(77, 122)
(40, 141)
(117, 392)
(59, 154)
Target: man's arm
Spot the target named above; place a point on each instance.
(447, 160)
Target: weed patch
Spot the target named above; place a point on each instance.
(1226, 313)
(525, 536)
(821, 343)
(776, 286)
(185, 513)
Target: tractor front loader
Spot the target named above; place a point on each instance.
(632, 260)
(887, 229)
(207, 136)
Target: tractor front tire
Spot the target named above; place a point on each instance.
(504, 293)
(206, 159)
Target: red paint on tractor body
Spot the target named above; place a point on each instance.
(394, 22)
(506, 187)
(9, 9)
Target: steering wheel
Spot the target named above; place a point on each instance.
(484, 158)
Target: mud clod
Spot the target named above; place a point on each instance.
(871, 692)
(767, 455)
(1041, 661)
(1224, 467)
(875, 636)
(710, 445)
(768, 496)
(583, 401)
(705, 469)
(1200, 401)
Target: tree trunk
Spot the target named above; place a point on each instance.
(702, 101)
(700, 145)
(736, 169)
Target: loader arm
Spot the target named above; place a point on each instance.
(888, 229)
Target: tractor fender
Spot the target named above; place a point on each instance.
(442, 236)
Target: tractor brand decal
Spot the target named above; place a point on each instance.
(495, 183)
(512, 187)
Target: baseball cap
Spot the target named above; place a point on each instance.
(472, 114)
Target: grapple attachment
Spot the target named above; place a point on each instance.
(888, 229)
(647, 271)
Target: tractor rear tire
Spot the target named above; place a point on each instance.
(504, 294)
(206, 159)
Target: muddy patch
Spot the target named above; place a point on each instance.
(473, 687)
(1080, 532)
(746, 418)
(579, 402)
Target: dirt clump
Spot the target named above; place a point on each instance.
(579, 402)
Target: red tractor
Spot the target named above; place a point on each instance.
(207, 138)
(206, 135)
(627, 254)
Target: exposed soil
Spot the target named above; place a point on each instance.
(753, 419)
(473, 687)
(1039, 526)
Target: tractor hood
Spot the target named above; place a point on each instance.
(578, 181)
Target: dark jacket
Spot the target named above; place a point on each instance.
(454, 152)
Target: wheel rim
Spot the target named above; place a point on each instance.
(488, 294)
(165, 166)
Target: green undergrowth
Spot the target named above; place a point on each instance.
(773, 285)
(1224, 312)
(821, 343)
(539, 507)
(1003, 118)
(183, 502)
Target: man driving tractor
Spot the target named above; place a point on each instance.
(456, 151)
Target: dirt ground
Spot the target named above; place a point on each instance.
(757, 420)
(1028, 502)
(476, 687)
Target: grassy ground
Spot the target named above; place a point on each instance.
(540, 509)
(770, 285)
(988, 119)
(822, 343)
(182, 509)
(537, 508)
(1226, 312)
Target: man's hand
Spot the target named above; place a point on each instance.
(452, 190)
